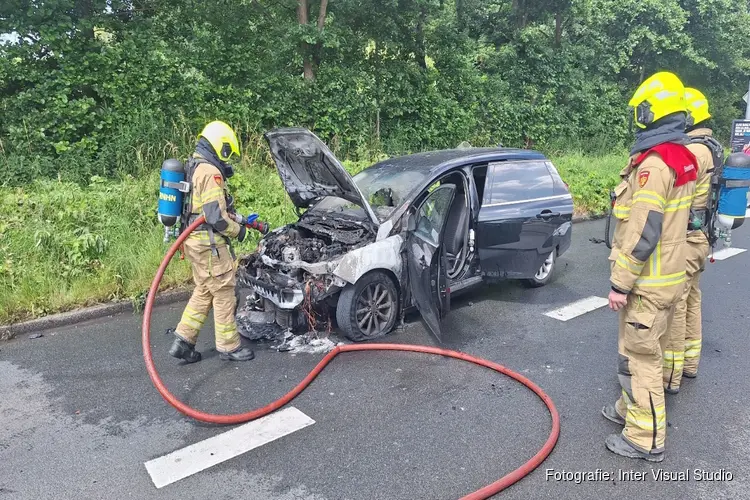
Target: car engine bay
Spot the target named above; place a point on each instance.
(290, 274)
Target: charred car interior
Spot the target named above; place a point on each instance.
(406, 232)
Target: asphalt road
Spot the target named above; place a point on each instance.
(79, 417)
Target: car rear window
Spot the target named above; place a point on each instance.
(509, 182)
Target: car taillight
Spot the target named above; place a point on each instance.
(566, 185)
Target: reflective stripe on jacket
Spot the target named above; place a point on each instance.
(648, 249)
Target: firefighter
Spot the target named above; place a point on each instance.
(684, 347)
(209, 250)
(648, 261)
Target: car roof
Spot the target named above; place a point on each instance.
(438, 161)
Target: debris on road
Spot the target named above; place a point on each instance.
(36, 335)
(307, 344)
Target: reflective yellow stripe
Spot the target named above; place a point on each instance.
(643, 419)
(228, 327)
(195, 314)
(199, 235)
(192, 318)
(226, 330)
(620, 212)
(651, 197)
(211, 195)
(658, 258)
(674, 359)
(692, 349)
(702, 188)
(679, 203)
(625, 263)
(661, 281)
(655, 260)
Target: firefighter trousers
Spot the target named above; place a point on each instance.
(642, 338)
(214, 278)
(685, 335)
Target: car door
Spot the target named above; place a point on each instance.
(517, 219)
(425, 262)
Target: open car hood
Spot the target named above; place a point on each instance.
(309, 170)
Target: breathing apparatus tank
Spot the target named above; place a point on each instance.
(731, 184)
(171, 194)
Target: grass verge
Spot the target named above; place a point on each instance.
(64, 245)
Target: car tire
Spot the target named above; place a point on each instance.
(368, 291)
(545, 273)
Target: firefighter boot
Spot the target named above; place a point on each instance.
(610, 413)
(617, 445)
(239, 354)
(184, 350)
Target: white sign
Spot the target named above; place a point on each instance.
(745, 97)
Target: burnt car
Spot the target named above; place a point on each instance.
(405, 232)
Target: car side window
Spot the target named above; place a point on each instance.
(510, 182)
(432, 214)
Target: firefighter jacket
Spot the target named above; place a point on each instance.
(209, 197)
(648, 248)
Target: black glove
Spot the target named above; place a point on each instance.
(242, 234)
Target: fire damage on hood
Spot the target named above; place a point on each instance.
(291, 276)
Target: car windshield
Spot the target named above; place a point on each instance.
(384, 188)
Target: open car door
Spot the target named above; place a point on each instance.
(425, 259)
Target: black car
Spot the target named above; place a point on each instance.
(407, 231)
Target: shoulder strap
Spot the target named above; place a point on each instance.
(187, 203)
(717, 150)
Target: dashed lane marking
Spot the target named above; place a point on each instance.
(200, 456)
(578, 308)
(725, 253)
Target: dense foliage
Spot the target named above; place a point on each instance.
(110, 87)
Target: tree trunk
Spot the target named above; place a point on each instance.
(322, 14)
(321, 24)
(303, 14)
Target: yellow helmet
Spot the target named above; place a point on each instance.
(660, 95)
(222, 139)
(697, 105)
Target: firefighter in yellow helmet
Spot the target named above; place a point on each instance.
(648, 261)
(209, 250)
(684, 347)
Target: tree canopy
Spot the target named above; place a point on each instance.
(85, 79)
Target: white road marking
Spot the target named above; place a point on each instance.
(578, 308)
(200, 456)
(747, 213)
(725, 253)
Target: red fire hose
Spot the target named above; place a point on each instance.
(485, 492)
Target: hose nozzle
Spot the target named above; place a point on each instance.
(259, 225)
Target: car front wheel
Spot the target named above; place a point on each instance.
(544, 274)
(369, 308)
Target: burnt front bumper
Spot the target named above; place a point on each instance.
(286, 298)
